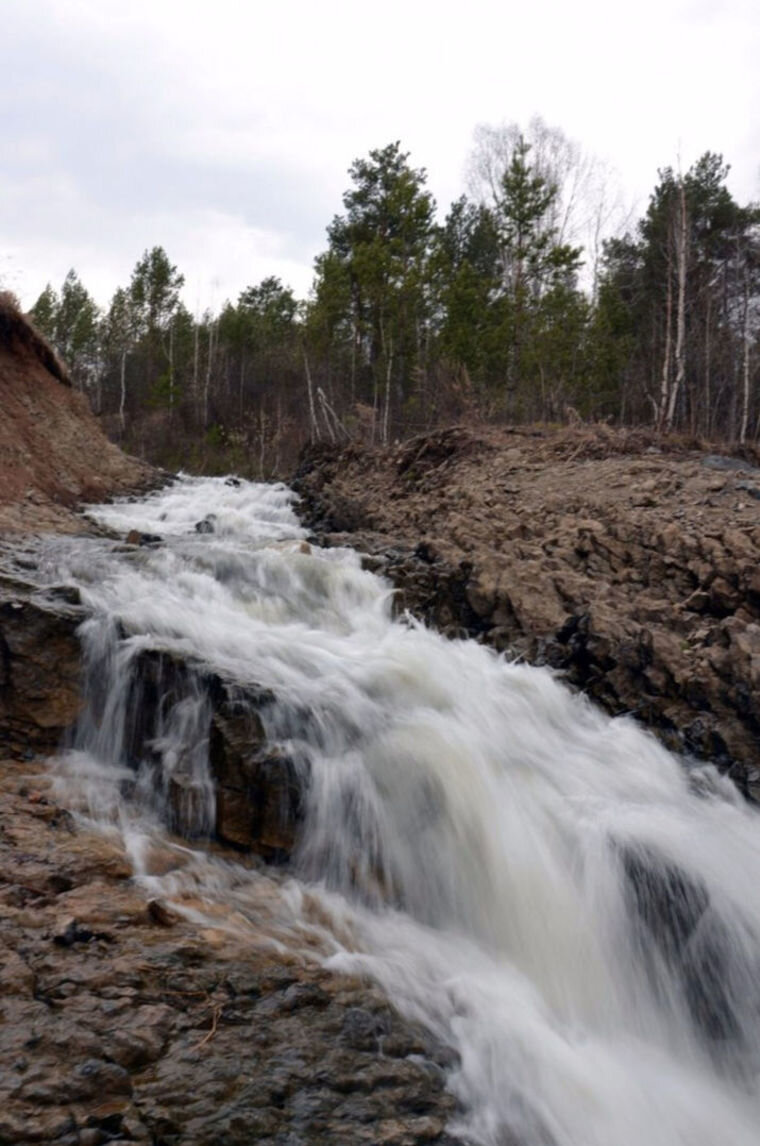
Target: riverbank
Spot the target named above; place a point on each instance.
(53, 454)
(177, 996)
(627, 563)
(124, 1020)
(163, 991)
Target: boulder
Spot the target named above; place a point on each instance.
(259, 790)
(40, 673)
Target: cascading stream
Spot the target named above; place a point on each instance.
(567, 905)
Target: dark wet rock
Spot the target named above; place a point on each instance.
(674, 913)
(752, 490)
(722, 462)
(207, 525)
(68, 594)
(40, 665)
(364, 1030)
(259, 790)
(158, 912)
(135, 537)
(72, 931)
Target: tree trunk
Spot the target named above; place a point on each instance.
(665, 382)
(122, 387)
(314, 434)
(171, 371)
(386, 413)
(196, 347)
(745, 363)
(706, 426)
(681, 254)
(207, 381)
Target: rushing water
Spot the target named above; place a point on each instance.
(551, 892)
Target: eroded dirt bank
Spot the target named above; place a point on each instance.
(629, 564)
(53, 454)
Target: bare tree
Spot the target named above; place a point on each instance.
(589, 206)
(682, 250)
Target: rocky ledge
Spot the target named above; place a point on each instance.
(259, 796)
(630, 564)
(121, 1021)
(130, 1019)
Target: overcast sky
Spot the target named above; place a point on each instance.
(223, 131)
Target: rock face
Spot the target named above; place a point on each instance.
(259, 792)
(52, 452)
(40, 672)
(629, 565)
(121, 1021)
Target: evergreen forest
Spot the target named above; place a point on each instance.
(531, 301)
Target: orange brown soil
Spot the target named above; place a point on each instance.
(53, 454)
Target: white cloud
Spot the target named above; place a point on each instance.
(224, 132)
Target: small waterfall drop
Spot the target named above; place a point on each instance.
(568, 906)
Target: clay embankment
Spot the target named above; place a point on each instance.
(629, 564)
(53, 454)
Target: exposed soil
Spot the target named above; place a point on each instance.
(53, 454)
(629, 563)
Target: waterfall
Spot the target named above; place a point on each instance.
(572, 909)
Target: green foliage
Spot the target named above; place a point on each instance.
(154, 290)
(638, 299)
(372, 287)
(71, 322)
(411, 322)
(44, 313)
(511, 313)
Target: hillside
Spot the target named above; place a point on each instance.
(627, 562)
(53, 454)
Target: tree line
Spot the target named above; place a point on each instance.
(518, 306)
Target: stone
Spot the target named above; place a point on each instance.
(40, 672)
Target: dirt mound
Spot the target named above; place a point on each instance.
(53, 454)
(627, 561)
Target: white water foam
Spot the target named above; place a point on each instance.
(549, 890)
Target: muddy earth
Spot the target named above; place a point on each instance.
(627, 563)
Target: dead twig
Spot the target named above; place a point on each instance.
(214, 1024)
